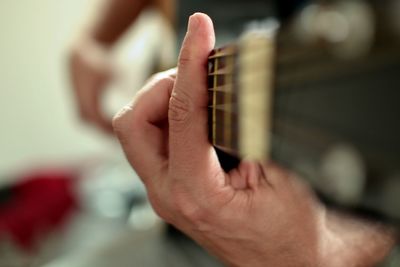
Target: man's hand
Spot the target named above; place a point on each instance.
(249, 216)
(90, 70)
(89, 58)
(255, 215)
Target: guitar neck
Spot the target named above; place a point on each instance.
(240, 83)
(327, 110)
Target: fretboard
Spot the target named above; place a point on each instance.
(240, 83)
(334, 120)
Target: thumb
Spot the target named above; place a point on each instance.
(188, 104)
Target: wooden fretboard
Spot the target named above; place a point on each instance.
(240, 93)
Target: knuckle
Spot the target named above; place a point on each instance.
(161, 77)
(155, 77)
(162, 213)
(179, 108)
(165, 81)
(127, 117)
(184, 57)
(191, 212)
(158, 208)
(119, 121)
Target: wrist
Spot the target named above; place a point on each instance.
(348, 241)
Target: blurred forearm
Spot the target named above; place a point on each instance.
(359, 242)
(111, 18)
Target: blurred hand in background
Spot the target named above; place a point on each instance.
(91, 70)
(90, 55)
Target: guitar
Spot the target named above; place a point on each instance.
(319, 95)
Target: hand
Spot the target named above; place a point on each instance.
(90, 70)
(256, 215)
(248, 217)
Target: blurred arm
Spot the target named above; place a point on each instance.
(358, 242)
(112, 18)
(90, 58)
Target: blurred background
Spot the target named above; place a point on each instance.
(65, 188)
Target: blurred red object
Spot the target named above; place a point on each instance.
(40, 203)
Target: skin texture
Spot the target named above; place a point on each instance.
(256, 215)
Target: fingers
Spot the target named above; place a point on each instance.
(140, 128)
(90, 73)
(90, 104)
(246, 176)
(198, 43)
(285, 182)
(189, 144)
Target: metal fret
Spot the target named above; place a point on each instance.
(221, 94)
(214, 117)
(223, 89)
(253, 58)
(224, 71)
(228, 99)
(223, 52)
(228, 107)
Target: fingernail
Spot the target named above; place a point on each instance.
(193, 23)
